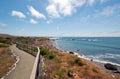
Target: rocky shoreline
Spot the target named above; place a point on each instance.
(114, 73)
(65, 58)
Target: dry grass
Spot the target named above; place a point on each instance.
(6, 61)
(63, 63)
(59, 67)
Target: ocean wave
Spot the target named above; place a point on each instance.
(97, 58)
(101, 45)
(106, 55)
(91, 40)
(104, 62)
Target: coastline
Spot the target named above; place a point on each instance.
(97, 63)
(101, 66)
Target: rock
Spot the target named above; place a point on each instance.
(117, 72)
(110, 66)
(71, 52)
(70, 74)
(91, 60)
(73, 39)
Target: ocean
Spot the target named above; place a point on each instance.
(100, 49)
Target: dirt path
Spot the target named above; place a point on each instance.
(24, 66)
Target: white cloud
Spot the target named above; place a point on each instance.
(36, 13)
(18, 14)
(57, 8)
(52, 11)
(2, 24)
(32, 21)
(91, 2)
(109, 10)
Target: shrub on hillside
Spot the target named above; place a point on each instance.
(78, 62)
(60, 73)
(43, 51)
(3, 45)
(51, 55)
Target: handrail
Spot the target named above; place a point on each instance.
(35, 66)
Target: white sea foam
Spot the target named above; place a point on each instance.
(93, 40)
(95, 58)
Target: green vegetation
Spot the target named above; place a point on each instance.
(51, 55)
(57, 64)
(78, 62)
(24, 40)
(60, 73)
(43, 51)
(46, 53)
(6, 40)
(3, 45)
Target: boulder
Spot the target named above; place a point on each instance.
(71, 52)
(117, 71)
(70, 74)
(110, 66)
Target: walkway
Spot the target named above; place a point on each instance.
(24, 67)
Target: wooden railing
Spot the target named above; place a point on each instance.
(34, 73)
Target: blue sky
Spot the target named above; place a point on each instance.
(60, 17)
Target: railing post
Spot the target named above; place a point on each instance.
(35, 66)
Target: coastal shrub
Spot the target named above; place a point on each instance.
(5, 40)
(78, 62)
(3, 45)
(51, 55)
(43, 51)
(60, 72)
